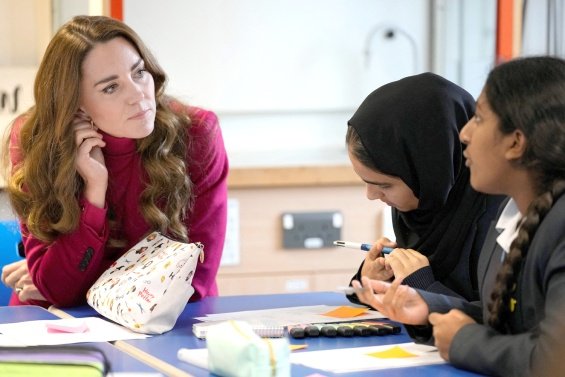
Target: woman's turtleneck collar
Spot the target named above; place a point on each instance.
(118, 146)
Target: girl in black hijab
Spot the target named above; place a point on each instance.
(403, 141)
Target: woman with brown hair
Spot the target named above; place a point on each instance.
(103, 158)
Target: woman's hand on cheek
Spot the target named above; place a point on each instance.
(90, 160)
(445, 328)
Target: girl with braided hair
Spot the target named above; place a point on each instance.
(516, 147)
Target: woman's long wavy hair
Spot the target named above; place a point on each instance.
(528, 94)
(45, 187)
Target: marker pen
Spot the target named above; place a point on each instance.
(367, 328)
(341, 330)
(395, 329)
(358, 329)
(297, 332)
(325, 330)
(345, 331)
(360, 246)
(302, 331)
(328, 331)
(377, 329)
(362, 330)
(312, 331)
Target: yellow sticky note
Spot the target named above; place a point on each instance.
(392, 353)
(295, 347)
(346, 312)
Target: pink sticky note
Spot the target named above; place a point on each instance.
(56, 328)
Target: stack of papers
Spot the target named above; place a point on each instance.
(347, 360)
(297, 315)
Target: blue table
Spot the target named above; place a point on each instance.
(165, 346)
(119, 360)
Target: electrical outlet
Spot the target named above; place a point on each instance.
(311, 230)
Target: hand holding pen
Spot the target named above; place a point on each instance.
(374, 265)
(361, 246)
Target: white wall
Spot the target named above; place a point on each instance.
(284, 77)
(543, 31)
(464, 45)
(64, 10)
(257, 55)
(25, 30)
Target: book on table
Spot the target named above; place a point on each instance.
(55, 360)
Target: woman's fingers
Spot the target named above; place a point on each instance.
(84, 132)
(29, 292)
(404, 262)
(370, 292)
(13, 272)
(390, 293)
(88, 144)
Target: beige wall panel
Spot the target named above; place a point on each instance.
(262, 257)
(264, 284)
(329, 281)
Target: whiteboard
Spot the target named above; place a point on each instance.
(294, 55)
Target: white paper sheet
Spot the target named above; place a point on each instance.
(33, 333)
(347, 360)
(341, 360)
(295, 315)
(6, 341)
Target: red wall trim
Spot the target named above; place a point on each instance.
(504, 30)
(117, 9)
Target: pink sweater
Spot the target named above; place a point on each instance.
(56, 268)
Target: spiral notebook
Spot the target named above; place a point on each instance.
(263, 329)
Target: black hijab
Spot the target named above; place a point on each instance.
(410, 130)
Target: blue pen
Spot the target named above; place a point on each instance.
(360, 246)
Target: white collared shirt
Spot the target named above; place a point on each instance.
(507, 225)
